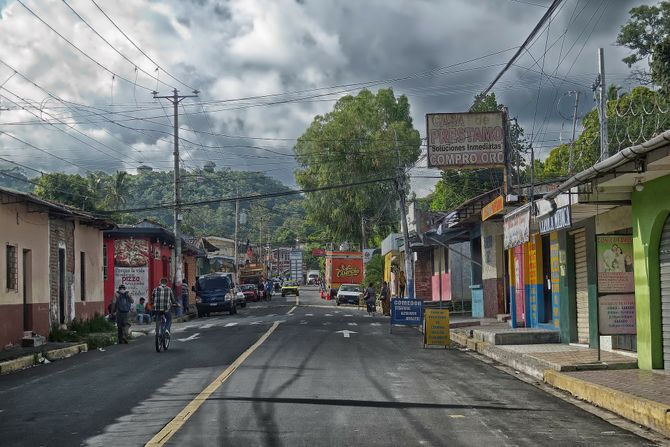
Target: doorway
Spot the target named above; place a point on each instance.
(27, 289)
(546, 316)
(61, 285)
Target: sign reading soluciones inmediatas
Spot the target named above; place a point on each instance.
(465, 140)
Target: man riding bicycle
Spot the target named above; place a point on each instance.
(163, 300)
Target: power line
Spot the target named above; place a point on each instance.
(520, 49)
(79, 49)
(138, 48)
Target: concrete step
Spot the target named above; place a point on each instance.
(503, 318)
(517, 336)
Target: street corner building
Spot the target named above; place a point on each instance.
(51, 265)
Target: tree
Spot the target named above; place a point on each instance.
(356, 141)
(117, 190)
(70, 189)
(647, 35)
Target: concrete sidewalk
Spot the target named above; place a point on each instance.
(614, 383)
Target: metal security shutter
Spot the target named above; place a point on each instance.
(664, 260)
(581, 287)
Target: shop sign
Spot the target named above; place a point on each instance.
(493, 208)
(465, 140)
(131, 259)
(517, 227)
(367, 254)
(407, 311)
(616, 314)
(557, 220)
(318, 252)
(615, 264)
(436, 327)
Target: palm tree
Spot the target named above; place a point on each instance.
(117, 189)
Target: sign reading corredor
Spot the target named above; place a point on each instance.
(465, 140)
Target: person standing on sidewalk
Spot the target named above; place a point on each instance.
(384, 297)
(121, 305)
(163, 299)
(402, 283)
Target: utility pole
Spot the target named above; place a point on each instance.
(400, 188)
(602, 105)
(237, 224)
(574, 128)
(175, 99)
(363, 241)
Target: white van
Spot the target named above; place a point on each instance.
(313, 277)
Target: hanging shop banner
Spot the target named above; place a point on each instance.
(556, 220)
(131, 259)
(436, 327)
(517, 227)
(465, 140)
(615, 264)
(407, 311)
(493, 208)
(616, 314)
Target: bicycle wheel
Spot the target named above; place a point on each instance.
(166, 340)
(159, 330)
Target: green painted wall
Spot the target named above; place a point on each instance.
(650, 209)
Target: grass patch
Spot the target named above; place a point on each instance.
(96, 332)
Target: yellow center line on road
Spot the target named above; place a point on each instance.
(291, 311)
(163, 436)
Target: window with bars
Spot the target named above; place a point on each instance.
(12, 268)
(82, 275)
(104, 263)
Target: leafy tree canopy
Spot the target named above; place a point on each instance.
(356, 141)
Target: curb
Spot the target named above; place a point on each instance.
(645, 412)
(27, 361)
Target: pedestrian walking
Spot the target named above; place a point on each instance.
(402, 283)
(370, 297)
(121, 305)
(384, 297)
(184, 296)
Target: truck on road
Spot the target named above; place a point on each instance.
(343, 267)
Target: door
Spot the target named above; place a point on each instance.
(61, 285)
(664, 270)
(581, 287)
(27, 289)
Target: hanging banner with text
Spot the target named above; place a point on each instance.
(436, 327)
(465, 140)
(616, 314)
(517, 227)
(557, 220)
(493, 208)
(615, 264)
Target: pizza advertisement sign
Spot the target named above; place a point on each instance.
(131, 266)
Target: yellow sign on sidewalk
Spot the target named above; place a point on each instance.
(436, 327)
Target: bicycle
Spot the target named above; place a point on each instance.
(162, 334)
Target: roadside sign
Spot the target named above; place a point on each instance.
(407, 311)
(436, 327)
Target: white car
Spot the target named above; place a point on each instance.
(349, 294)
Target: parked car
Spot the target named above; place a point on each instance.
(214, 293)
(240, 299)
(348, 294)
(290, 288)
(250, 292)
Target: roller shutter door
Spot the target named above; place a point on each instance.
(664, 258)
(581, 287)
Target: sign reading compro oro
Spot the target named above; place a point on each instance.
(465, 140)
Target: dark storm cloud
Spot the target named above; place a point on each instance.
(233, 49)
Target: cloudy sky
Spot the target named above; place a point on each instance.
(265, 68)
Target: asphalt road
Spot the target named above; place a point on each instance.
(325, 375)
